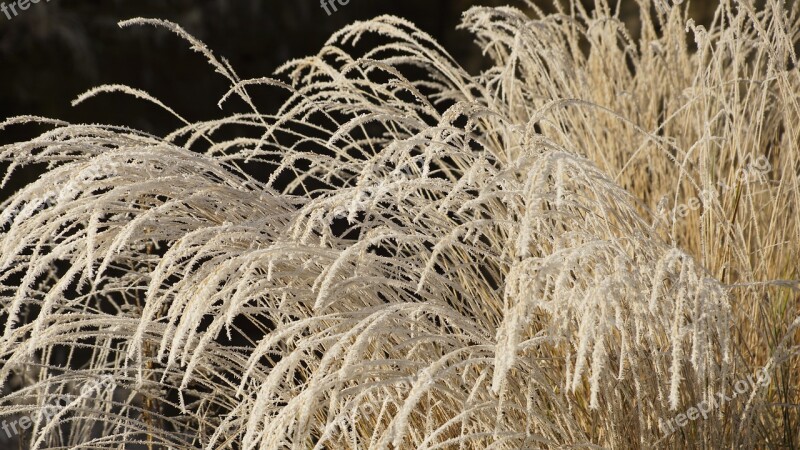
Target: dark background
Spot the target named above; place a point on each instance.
(58, 49)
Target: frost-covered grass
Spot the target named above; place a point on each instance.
(407, 255)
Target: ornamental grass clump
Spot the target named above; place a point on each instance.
(408, 255)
